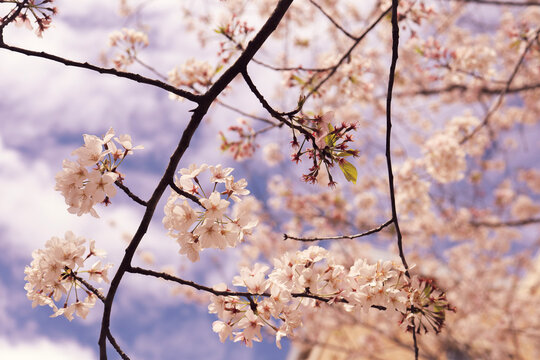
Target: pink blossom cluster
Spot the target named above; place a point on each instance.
(310, 278)
(328, 145)
(40, 10)
(129, 42)
(55, 272)
(236, 32)
(82, 188)
(210, 227)
(245, 146)
(194, 74)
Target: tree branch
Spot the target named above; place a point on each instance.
(115, 345)
(89, 287)
(347, 54)
(499, 101)
(369, 232)
(131, 195)
(463, 88)
(245, 294)
(9, 18)
(241, 112)
(348, 34)
(204, 103)
(127, 75)
(395, 45)
(510, 223)
(500, 3)
(185, 193)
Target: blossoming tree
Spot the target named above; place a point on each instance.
(435, 237)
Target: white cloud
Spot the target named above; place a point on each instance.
(44, 349)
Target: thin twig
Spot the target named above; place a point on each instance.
(151, 69)
(9, 18)
(115, 345)
(395, 45)
(291, 68)
(348, 34)
(500, 3)
(274, 113)
(415, 342)
(510, 223)
(463, 88)
(123, 74)
(347, 54)
(369, 232)
(245, 294)
(241, 112)
(89, 287)
(204, 103)
(131, 195)
(185, 193)
(499, 101)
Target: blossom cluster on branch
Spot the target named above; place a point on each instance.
(55, 274)
(312, 277)
(83, 188)
(430, 150)
(211, 227)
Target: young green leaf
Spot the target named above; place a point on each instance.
(349, 171)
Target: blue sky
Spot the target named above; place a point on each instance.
(44, 110)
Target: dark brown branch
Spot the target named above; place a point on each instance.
(115, 345)
(89, 287)
(395, 45)
(150, 68)
(510, 223)
(245, 294)
(500, 3)
(291, 68)
(348, 34)
(241, 112)
(131, 195)
(415, 341)
(274, 113)
(127, 75)
(204, 103)
(185, 193)
(369, 232)
(9, 18)
(281, 116)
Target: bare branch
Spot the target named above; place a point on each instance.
(185, 193)
(245, 294)
(395, 45)
(347, 54)
(510, 223)
(369, 232)
(10, 17)
(204, 103)
(123, 74)
(115, 345)
(128, 192)
(349, 35)
(275, 114)
(499, 2)
(241, 112)
(499, 101)
(291, 68)
(463, 88)
(89, 287)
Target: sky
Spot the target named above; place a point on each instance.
(44, 110)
